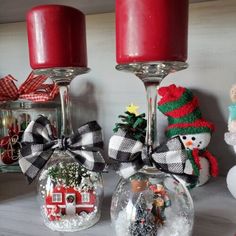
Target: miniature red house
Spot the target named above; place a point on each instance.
(69, 201)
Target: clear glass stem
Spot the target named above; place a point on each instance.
(151, 74)
(62, 76)
(65, 109)
(152, 140)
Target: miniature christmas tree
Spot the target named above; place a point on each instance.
(69, 174)
(133, 123)
(144, 222)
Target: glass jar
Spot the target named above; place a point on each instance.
(152, 203)
(70, 196)
(14, 118)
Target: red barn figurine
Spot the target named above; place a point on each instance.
(69, 201)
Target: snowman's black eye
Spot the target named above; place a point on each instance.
(184, 137)
(193, 138)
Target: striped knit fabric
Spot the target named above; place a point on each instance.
(182, 109)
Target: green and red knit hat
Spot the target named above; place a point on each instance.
(182, 109)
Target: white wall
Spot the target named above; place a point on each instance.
(104, 93)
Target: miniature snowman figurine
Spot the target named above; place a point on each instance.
(230, 138)
(193, 143)
(186, 123)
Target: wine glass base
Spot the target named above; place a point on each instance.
(152, 71)
(62, 74)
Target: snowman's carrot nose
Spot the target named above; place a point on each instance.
(189, 143)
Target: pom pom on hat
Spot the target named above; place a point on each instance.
(182, 109)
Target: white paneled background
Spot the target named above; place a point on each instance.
(104, 93)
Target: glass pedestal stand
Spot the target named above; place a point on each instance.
(152, 202)
(70, 196)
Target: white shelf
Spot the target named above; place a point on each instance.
(214, 209)
(14, 11)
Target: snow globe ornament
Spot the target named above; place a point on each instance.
(70, 185)
(68, 166)
(146, 201)
(230, 139)
(186, 124)
(70, 195)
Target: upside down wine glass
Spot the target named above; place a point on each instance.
(70, 195)
(151, 202)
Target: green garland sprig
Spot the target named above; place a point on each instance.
(135, 125)
(69, 174)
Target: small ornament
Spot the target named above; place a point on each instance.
(10, 147)
(10, 144)
(133, 123)
(230, 139)
(186, 123)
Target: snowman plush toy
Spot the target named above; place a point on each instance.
(185, 123)
(230, 138)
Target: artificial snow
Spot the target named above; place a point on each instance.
(71, 223)
(174, 225)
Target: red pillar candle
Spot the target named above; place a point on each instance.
(151, 30)
(56, 37)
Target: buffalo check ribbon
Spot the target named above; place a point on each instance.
(32, 89)
(38, 144)
(131, 155)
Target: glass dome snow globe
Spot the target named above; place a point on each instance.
(70, 196)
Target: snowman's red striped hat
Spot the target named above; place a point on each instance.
(182, 109)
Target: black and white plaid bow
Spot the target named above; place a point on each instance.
(38, 144)
(131, 155)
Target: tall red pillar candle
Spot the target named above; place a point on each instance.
(151, 30)
(56, 37)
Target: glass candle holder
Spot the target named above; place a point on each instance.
(14, 118)
(152, 202)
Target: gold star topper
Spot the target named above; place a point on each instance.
(132, 109)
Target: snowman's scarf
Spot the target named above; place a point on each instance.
(194, 157)
(195, 161)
